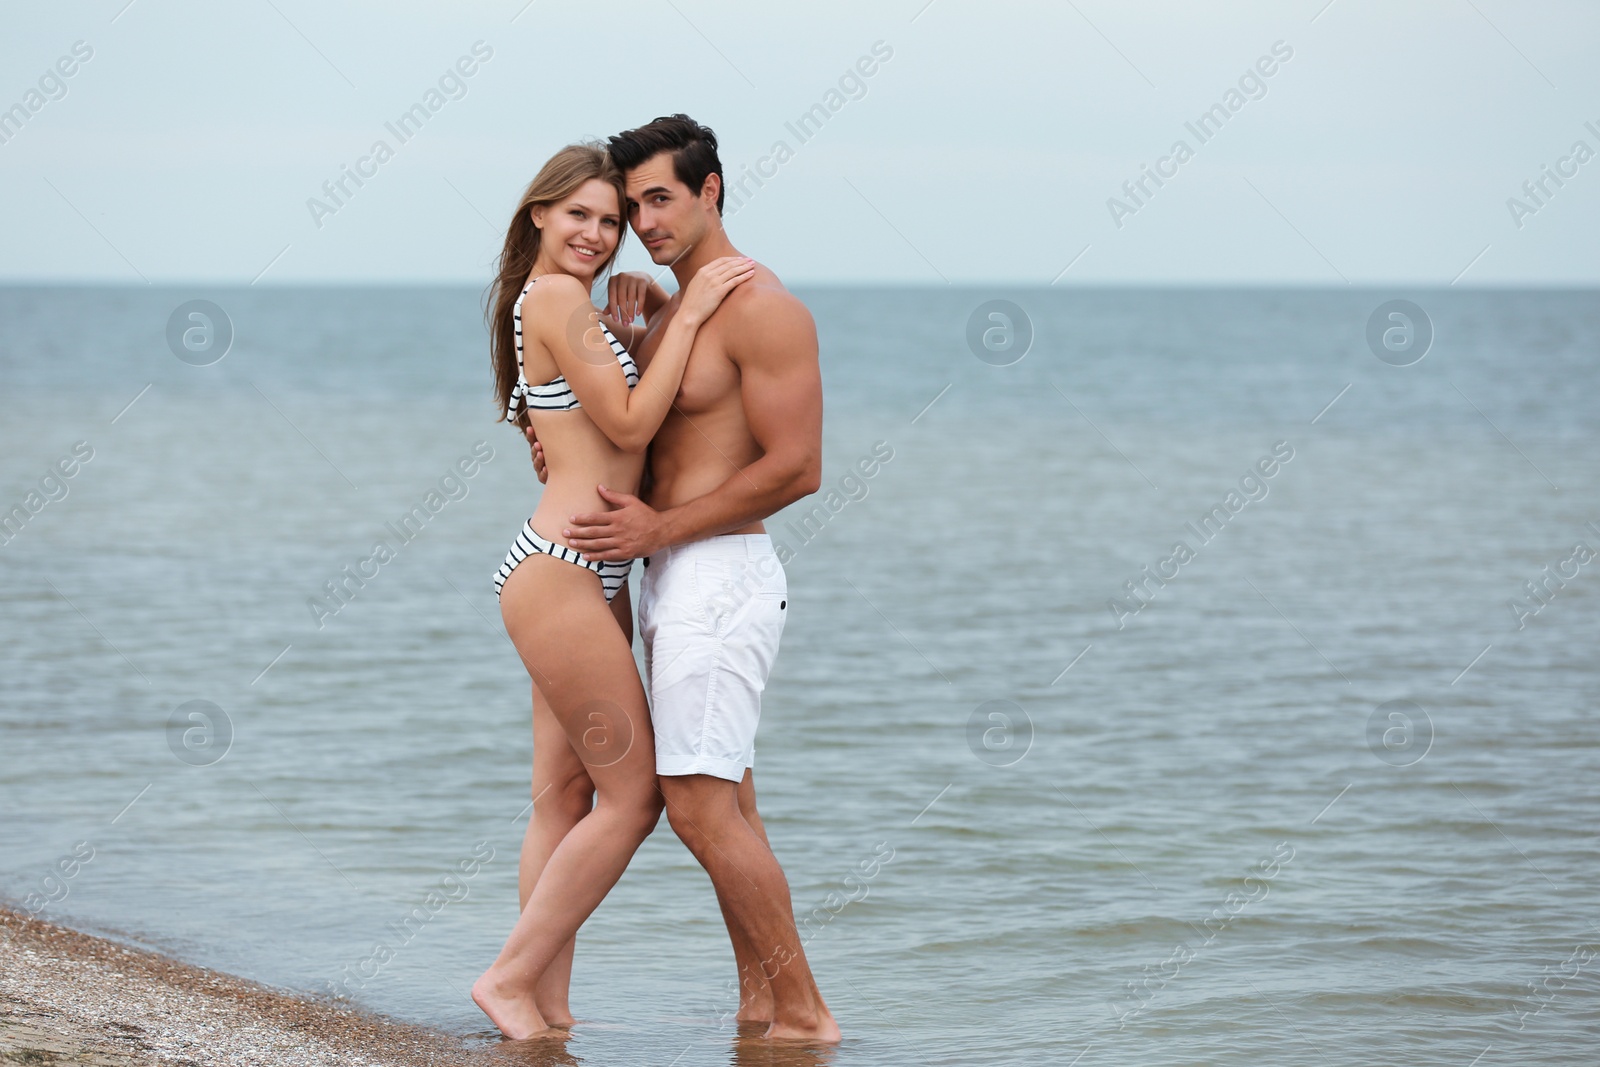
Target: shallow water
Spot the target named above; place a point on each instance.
(1197, 837)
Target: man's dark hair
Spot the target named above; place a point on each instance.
(693, 148)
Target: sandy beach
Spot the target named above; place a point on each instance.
(69, 997)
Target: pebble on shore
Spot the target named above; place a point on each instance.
(69, 997)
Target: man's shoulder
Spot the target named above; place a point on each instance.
(761, 307)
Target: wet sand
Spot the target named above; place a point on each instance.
(72, 998)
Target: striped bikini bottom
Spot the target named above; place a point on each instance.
(613, 574)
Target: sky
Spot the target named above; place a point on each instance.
(1357, 142)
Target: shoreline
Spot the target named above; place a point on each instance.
(72, 997)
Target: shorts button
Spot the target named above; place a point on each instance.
(783, 604)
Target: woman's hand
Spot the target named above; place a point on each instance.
(627, 296)
(711, 283)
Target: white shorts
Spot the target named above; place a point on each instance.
(711, 613)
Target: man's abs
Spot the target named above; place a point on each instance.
(702, 443)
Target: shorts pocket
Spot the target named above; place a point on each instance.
(714, 595)
(767, 612)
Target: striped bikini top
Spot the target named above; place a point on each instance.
(556, 394)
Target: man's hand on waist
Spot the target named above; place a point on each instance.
(632, 530)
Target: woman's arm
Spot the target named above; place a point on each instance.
(566, 327)
(630, 335)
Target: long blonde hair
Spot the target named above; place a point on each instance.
(558, 179)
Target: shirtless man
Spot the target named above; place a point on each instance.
(743, 440)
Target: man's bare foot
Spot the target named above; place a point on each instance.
(821, 1028)
(513, 1014)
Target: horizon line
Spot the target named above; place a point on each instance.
(1170, 284)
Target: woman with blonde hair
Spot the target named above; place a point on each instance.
(594, 783)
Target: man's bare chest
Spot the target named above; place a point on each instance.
(709, 378)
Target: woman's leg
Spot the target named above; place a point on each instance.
(564, 631)
(562, 795)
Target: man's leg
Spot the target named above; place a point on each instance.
(712, 614)
(704, 811)
(755, 992)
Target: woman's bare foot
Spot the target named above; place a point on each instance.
(513, 1013)
(554, 1011)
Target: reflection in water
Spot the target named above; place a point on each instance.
(548, 1051)
(750, 1049)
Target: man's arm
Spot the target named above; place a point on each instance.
(631, 295)
(773, 341)
(780, 385)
